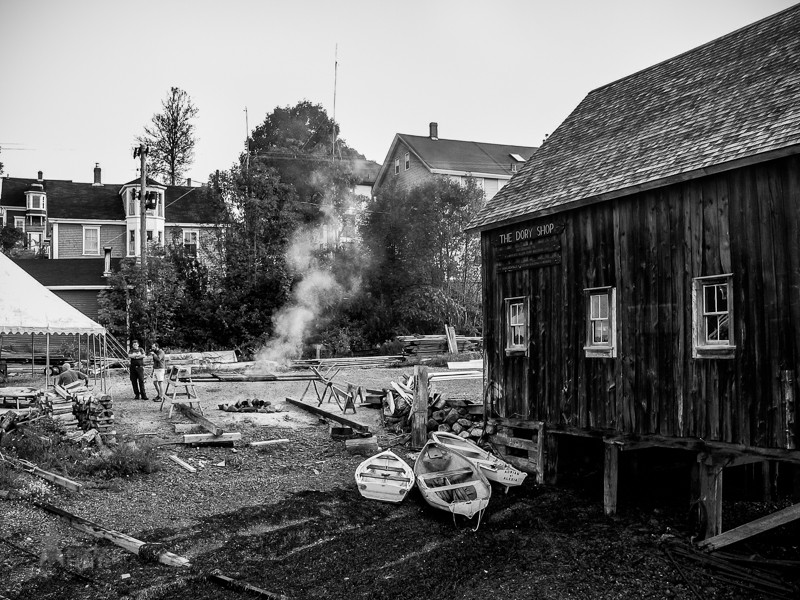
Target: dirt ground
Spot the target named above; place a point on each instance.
(289, 519)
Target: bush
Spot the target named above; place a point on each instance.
(124, 460)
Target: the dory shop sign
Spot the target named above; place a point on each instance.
(529, 246)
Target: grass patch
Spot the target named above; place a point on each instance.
(124, 460)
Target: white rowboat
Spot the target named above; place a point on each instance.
(385, 477)
(450, 481)
(492, 467)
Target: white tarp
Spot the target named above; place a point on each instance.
(26, 306)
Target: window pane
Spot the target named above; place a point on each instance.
(722, 298)
(709, 296)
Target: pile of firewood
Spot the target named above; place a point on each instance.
(454, 415)
(431, 345)
(94, 413)
(60, 409)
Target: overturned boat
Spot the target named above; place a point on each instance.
(450, 481)
(385, 477)
(492, 467)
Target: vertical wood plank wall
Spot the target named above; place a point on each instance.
(650, 246)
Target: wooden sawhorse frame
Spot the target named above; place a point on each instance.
(178, 376)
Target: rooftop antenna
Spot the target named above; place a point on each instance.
(246, 141)
(335, 74)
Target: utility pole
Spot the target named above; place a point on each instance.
(335, 76)
(141, 152)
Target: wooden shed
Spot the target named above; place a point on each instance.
(641, 274)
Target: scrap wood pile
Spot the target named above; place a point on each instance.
(431, 345)
(59, 407)
(75, 409)
(353, 361)
(248, 405)
(451, 415)
(94, 412)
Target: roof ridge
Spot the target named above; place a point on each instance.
(695, 49)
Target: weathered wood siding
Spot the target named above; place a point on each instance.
(650, 246)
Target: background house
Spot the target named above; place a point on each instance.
(640, 273)
(412, 159)
(86, 228)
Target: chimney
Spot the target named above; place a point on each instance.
(107, 259)
(434, 131)
(189, 181)
(97, 175)
(40, 176)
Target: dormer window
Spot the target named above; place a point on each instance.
(36, 202)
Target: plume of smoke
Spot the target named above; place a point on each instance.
(317, 291)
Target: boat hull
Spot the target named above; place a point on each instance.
(385, 477)
(492, 467)
(448, 480)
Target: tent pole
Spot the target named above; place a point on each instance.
(103, 384)
(47, 361)
(33, 357)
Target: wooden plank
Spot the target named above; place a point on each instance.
(419, 425)
(174, 458)
(196, 417)
(452, 345)
(327, 415)
(120, 539)
(268, 442)
(737, 534)
(610, 478)
(199, 438)
(511, 442)
(241, 586)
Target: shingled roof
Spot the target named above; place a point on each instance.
(84, 201)
(732, 99)
(76, 272)
(468, 157)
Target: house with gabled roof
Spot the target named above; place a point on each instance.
(641, 272)
(85, 229)
(414, 159)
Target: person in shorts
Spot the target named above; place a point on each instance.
(159, 370)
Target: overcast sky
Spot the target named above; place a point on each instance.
(81, 78)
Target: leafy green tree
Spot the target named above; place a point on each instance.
(423, 270)
(298, 143)
(170, 138)
(11, 238)
(143, 305)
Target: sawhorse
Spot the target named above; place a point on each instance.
(178, 376)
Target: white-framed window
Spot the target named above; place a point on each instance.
(131, 242)
(19, 223)
(36, 201)
(516, 312)
(408, 161)
(601, 322)
(91, 240)
(132, 203)
(396, 166)
(191, 239)
(712, 317)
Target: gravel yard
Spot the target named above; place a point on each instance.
(289, 519)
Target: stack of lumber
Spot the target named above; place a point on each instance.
(431, 345)
(461, 417)
(354, 361)
(59, 407)
(95, 412)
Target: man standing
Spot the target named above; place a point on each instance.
(159, 369)
(137, 371)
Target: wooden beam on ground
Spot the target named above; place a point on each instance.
(196, 417)
(269, 442)
(419, 426)
(327, 415)
(141, 549)
(31, 468)
(174, 458)
(771, 521)
(241, 586)
(200, 438)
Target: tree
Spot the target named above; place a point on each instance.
(423, 267)
(297, 142)
(11, 239)
(170, 138)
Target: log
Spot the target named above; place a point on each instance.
(183, 464)
(233, 584)
(419, 429)
(199, 438)
(269, 442)
(327, 415)
(132, 545)
(196, 417)
(31, 468)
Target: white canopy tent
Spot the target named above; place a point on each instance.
(27, 307)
